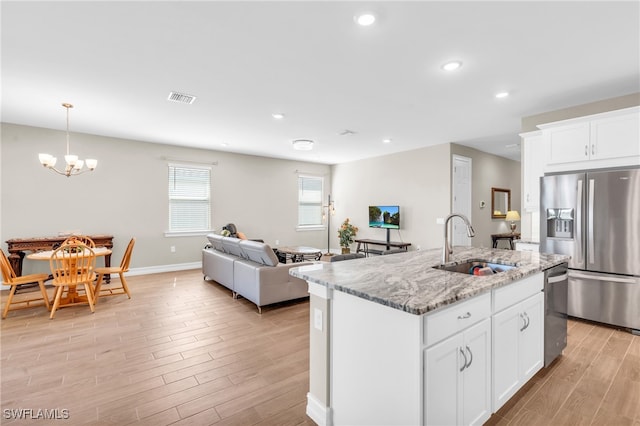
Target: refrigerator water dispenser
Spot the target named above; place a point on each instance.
(560, 223)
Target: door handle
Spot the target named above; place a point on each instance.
(470, 357)
(526, 317)
(524, 322)
(578, 226)
(591, 238)
(465, 316)
(465, 359)
(586, 150)
(557, 279)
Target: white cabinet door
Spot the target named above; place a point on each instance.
(458, 378)
(443, 381)
(506, 369)
(532, 337)
(533, 148)
(476, 399)
(568, 143)
(518, 344)
(615, 137)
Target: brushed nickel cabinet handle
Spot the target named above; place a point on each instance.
(465, 316)
(465, 359)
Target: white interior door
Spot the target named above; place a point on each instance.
(461, 198)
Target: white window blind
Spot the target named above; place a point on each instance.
(310, 201)
(189, 198)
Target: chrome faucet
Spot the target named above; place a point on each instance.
(447, 249)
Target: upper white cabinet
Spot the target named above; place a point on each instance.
(615, 137)
(533, 148)
(602, 140)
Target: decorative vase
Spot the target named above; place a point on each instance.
(346, 250)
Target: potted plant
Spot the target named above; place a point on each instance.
(346, 233)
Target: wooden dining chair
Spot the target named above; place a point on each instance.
(9, 278)
(120, 270)
(73, 268)
(81, 239)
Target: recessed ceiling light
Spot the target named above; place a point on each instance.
(451, 66)
(365, 19)
(224, 144)
(502, 95)
(386, 140)
(303, 144)
(278, 115)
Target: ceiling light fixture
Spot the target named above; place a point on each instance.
(386, 140)
(74, 165)
(502, 95)
(365, 19)
(303, 144)
(278, 115)
(452, 66)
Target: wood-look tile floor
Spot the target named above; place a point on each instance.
(183, 352)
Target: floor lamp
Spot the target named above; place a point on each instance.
(330, 212)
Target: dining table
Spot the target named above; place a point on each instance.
(72, 295)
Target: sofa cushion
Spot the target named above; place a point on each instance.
(231, 245)
(259, 252)
(216, 241)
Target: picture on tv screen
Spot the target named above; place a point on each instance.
(384, 217)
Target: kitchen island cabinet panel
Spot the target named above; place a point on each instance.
(376, 363)
(458, 378)
(518, 345)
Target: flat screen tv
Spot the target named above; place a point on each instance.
(387, 217)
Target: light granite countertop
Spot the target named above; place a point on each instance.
(408, 281)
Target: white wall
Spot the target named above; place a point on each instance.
(419, 181)
(127, 194)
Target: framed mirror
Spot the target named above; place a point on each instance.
(500, 202)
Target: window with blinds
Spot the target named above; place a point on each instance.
(310, 201)
(189, 198)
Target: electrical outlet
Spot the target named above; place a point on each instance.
(277, 242)
(173, 249)
(317, 319)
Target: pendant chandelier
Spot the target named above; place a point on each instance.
(74, 165)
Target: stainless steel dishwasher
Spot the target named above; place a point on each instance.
(556, 283)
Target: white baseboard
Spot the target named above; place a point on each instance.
(164, 268)
(318, 412)
(146, 270)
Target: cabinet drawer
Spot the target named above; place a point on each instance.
(511, 294)
(449, 321)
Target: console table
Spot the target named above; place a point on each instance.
(18, 247)
(363, 246)
(510, 236)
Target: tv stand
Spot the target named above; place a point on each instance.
(363, 246)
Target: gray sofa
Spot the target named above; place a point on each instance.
(251, 269)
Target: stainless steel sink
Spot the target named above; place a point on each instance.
(468, 267)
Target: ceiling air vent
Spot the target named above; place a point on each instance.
(181, 98)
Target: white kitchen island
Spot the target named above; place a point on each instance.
(394, 341)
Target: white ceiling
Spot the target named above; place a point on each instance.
(118, 61)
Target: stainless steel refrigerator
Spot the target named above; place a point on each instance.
(594, 217)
